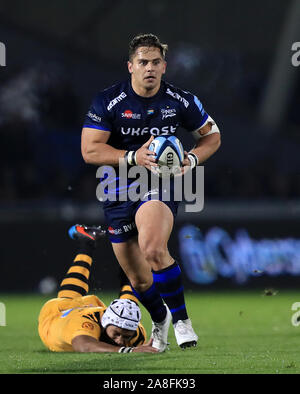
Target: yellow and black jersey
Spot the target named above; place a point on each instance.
(63, 319)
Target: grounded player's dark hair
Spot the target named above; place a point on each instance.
(146, 40)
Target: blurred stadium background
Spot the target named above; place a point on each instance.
(236, 56)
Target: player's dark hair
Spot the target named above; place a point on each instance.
(146, 40)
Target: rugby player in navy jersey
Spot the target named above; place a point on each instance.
(120, 125)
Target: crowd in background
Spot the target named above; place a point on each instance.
(41, 118)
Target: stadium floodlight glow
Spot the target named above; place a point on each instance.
(2, 55)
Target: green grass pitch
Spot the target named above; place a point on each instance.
(239, 332)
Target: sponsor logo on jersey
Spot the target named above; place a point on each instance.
(128, 114)
(178, 97)
(87, 325)
(166, 130)
(116, 100)
(168, 113)
(150, 112)
(94, 117)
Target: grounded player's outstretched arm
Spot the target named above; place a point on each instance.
(88, 344)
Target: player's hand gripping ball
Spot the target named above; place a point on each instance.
(169, 155)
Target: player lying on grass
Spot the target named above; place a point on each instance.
(77, 322)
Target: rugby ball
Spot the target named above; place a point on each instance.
(169, 155)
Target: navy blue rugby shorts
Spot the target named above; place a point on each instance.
(120, 216)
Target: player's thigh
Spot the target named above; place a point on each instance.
(154, 221)
(133, 263)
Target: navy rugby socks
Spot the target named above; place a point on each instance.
(153, 302)
(168, 283)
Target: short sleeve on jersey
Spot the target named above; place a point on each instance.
(194, 116)
(97, 116)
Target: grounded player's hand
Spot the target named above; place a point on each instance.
(146, 348)
(145, 157)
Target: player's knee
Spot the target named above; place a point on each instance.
(140, 285)
(154, 254)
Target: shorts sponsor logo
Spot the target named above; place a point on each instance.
(129, 227)
(124, 229)
(115, 231)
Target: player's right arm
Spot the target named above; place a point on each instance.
(97, 128)
(88, 344)
(96, 131)
(96, 151)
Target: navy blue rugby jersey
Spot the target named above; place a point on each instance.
(132, 119)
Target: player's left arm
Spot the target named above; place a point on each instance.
(208, 141)
(88, 344)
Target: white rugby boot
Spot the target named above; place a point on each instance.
(160, 332)
(184, 333)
